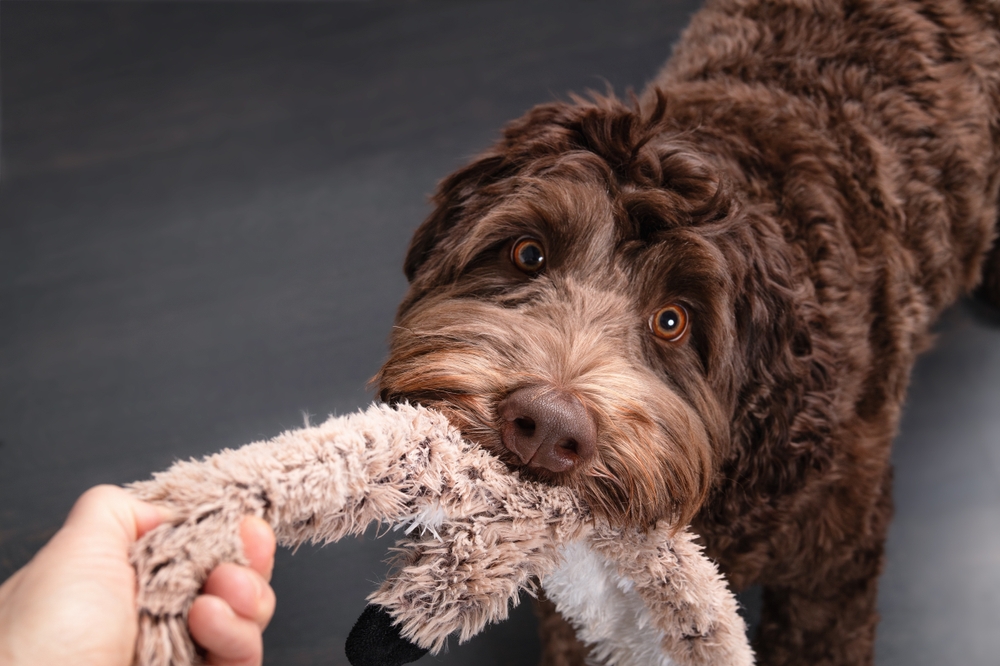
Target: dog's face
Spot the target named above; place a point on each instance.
(578, 317)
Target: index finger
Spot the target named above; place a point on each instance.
(258, 545)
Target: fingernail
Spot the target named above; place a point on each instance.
(258, 585)
(221, 605)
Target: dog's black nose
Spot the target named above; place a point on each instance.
(547, 428)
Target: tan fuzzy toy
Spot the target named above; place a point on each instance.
(478, 535)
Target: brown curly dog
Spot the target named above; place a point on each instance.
(703, 305)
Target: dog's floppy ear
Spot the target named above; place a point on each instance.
(449, 199)
(546, 129)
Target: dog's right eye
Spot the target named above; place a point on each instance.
(528, 255)
(670, 323)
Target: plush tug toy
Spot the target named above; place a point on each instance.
(477, 535)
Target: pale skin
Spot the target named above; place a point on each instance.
(74, 602)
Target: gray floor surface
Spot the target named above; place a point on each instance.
(203, 213)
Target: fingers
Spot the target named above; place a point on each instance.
(230, 640)
(258, 545)
(245, 590)
(237, 603)
(228, 619)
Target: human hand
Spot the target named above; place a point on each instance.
(74, 602)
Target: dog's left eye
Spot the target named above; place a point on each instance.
(528, 255)
(670, 323)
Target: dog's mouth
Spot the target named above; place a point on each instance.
(634, 459)
(545, 434)
(466, 411)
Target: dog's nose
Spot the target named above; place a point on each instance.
(547, 428)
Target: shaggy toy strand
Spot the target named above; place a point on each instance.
(479, 535)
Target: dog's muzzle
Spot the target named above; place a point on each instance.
(547, 428)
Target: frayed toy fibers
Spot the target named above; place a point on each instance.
(476, 536)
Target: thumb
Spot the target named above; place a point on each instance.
(111, 512)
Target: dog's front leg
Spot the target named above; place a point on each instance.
(560, 646)
(830, 619)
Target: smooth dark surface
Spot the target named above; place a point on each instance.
(376, 641)
(203, 214)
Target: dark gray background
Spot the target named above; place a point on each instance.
(203, 214)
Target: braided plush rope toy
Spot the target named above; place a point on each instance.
(478, 535)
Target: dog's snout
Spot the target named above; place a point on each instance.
(547, 428)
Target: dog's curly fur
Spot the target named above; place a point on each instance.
(814, 181)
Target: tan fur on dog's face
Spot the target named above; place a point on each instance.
(474, 328)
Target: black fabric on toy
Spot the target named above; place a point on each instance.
(374, 641)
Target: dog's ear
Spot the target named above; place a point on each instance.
(449, 199)
(783, 366)
(542, 130)
(601, 126)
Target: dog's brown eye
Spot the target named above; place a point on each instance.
(528, 255)
(670, 323)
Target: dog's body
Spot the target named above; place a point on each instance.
(726, 283)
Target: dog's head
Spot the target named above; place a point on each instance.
(587, 300)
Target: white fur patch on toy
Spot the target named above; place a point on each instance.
(476, 536)
(607, 612)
